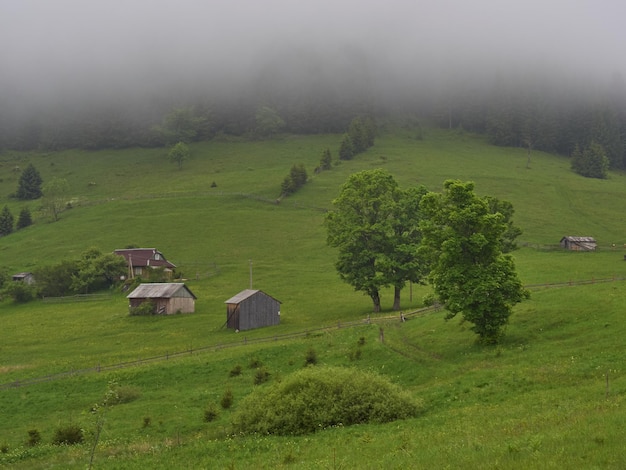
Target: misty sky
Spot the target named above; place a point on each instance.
(68, 45)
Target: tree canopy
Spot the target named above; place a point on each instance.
(179, 153)
(463, 242)
(374, 225)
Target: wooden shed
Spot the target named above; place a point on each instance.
(26, 278)
(252, 309)
(168, 297)
(579, 243)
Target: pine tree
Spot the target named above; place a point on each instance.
(6, 221)
(24, 219)
(346, 151)
(29, 186)
(326, 160)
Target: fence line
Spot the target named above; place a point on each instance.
(287, 336)
(216, 347)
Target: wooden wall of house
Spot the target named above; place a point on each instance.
(232, 316)
(180, 304)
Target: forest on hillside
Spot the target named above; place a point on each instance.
(533, 114)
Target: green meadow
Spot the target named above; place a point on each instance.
(551, 395)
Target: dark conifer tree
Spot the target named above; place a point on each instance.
(24, 219)
(6, 222)
(29, 186)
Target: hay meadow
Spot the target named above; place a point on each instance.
(550, 395)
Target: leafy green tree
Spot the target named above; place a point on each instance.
(56, 280)
(360, 226)
(462, 240)
(401, 261)
(97, 271)
(24, 219)
(268, 122)
(181, 125)
(55, 194)
(591, 162)
(179, 153)
(505, 208)
(29, 185)
(6, 221)
(346, 150)
(20, 292)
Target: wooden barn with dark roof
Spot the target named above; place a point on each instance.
(250, 309)
(167, 297)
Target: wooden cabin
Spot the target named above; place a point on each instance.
(252, 309)
(168, 297)
(579, 243)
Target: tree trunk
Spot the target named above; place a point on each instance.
(376, 300)
(396, 298)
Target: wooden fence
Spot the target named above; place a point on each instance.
(216, 347)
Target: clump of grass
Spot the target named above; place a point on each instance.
(34, 437)
(315, 398)
(262, 375)
(125, 394)
(4, 449)
(310, 359)
(255, 363)
(147, 421)
(235, 371)
(227, 399)
(211, 413)
(68, 435)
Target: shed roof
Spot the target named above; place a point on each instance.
(579, 239)
(158, 290)
(244, 294)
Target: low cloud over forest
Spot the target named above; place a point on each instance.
(94, 74)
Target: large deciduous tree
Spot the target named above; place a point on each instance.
(374, 227)
(463, 241)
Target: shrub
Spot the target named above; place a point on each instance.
(147, 421)
(34, 437)
(145, 308)
(310, 359)
(125, 394)
(20, 292)
(227, 399)
(211, 412)
(68, 435)
(4, 448)
(315, 398)
(235, 371)
(262, 375)
(255, 363)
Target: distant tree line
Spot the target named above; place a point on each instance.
(533, 114)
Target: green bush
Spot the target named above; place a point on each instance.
(235, 371)
(125, 394)
(310, 358)
(145, 308)
(315, 398)
(20, 292)
(34, 437)
(211, 413)
(68, 435)
(262, 375)
(227, 399)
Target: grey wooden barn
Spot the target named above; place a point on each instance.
(252, 309)
(168, 297)
(579, 243)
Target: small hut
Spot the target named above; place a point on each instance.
(26, 278)
(252, 309)
(579, 243)
(168, 297)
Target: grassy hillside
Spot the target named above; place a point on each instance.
(550, 395)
